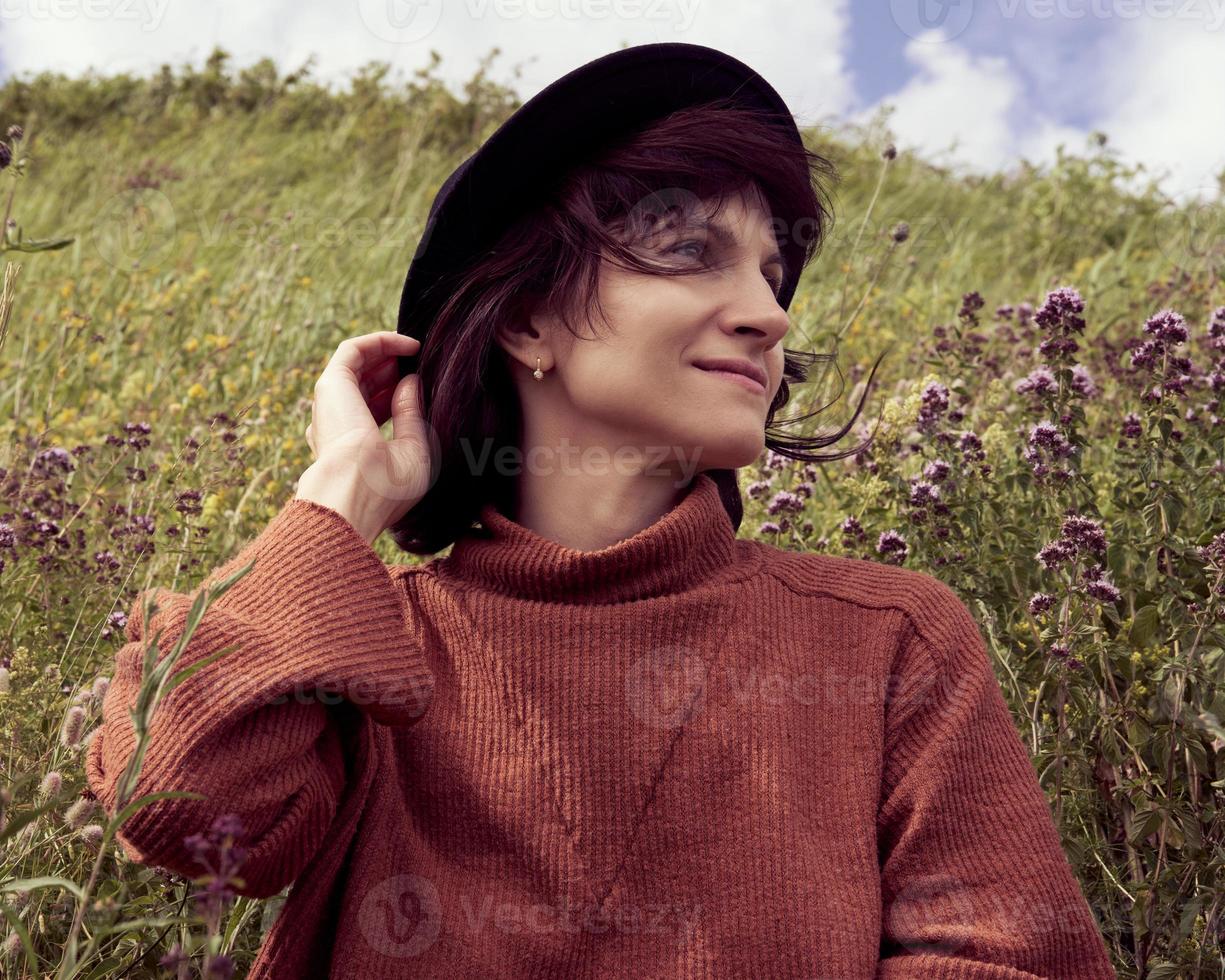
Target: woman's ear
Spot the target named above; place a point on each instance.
(518, 338)
(522, 337)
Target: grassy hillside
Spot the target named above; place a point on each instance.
(229, 228)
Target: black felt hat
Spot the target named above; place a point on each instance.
(585, 111)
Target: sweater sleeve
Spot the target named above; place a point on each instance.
(975, 882)
(322, 640)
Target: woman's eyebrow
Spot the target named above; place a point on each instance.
(722, 235)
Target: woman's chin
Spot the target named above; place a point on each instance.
(730, 455)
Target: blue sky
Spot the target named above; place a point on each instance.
(974, 84)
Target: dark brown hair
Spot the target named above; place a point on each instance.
(694, 159)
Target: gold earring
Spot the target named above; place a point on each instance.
(538, 374)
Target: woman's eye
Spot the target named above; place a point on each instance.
(776, 283)
(700, 245)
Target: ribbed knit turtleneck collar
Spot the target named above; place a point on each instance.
(691, 544)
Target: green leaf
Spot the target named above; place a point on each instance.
(1144, 626)
(1187, 921)
(1144, 823)
(19, 821)
(151, 922)
(39, 245)
(1195, 838)
(45, 881)
(1198, 754)
(1171, 511)
(186, 672)
(1110, 746)
(105, 969)
(1138, 733)
(14, 920)
(1150, 570)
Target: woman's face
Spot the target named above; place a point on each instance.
(636, 385)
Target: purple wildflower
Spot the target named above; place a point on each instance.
(1055, 554)
(1216, 329)
(757, 489)
(784, 501)
(1084, 534)
(1082, 383)
(1061, 311)
(1214, 551)
(971, 303)
(175, 958)
(1040, 381)
(893, 547)
(1168, 326)
(935, 398)
(1103, 591)
(937, 471)
(1040, 602)
(922, 493)
(851, 528)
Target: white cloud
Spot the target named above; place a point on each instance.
(1153, 86)
(1164, 105)
(968, 112)
(800, 48)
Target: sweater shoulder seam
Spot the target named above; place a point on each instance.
(918, 631)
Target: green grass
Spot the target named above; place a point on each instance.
(230, 230)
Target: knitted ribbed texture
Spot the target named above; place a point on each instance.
(681, 756)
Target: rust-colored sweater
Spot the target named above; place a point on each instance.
(682, 756)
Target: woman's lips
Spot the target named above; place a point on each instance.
(741, 379)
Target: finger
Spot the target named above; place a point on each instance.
(375, 379)
(339, 383)
(381, 403)
(357, 354)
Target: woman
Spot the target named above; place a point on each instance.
(603, 736)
